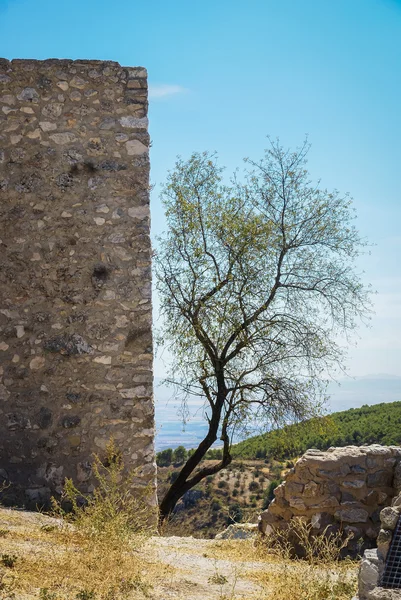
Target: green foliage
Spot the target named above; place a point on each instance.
(377, 424)
(179, 455)
(257, 282)
(215, 454)
(164, 458)
(235, 513)
(168, 456)
(173, 476)
(269, 492)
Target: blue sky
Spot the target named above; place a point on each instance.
(226, 73)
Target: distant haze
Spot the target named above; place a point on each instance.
(350, 393)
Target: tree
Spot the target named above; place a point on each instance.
(164, 458)
(258, 283)
(179, 455)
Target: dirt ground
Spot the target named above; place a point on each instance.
(194, 571)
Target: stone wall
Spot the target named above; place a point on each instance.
(373, 562)
(75, 273)
(343, 487)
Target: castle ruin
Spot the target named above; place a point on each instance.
(75, 274)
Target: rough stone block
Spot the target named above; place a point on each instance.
(389, 517)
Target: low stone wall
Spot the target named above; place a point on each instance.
(343, 487)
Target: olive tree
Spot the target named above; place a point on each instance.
(258, 286)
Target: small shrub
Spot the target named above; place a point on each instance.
(215, 505)
(297, 539)
(48, 528)
(217, 579)
(253, 486)
(112, 512)
(269, 493)
(4, 532)
(173, 476)
(46, 594)
(222, 484)
(86, 595)
(9, 560)
(235, 514)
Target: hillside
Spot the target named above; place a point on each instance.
(245, 487)
(380, 423)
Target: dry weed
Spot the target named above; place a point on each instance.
(319, 575)
(93, 552)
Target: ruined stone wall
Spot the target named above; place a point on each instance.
(75, 272)
(343, 487)
(373, 563)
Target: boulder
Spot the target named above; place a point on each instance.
(368, 573)
(389, 517)
(238, 531)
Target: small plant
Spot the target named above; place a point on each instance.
(253, 486)
(216, 504)
(9, 560)
(112, 512)
(86, 595)
(322, 548)
(218, 579)
(46, 594)
(4, 532)
(48, 528)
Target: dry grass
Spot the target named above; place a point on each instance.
(93, 552)
(320, 575)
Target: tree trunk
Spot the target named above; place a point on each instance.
(183, 483)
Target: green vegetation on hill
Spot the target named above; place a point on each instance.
(377, 424)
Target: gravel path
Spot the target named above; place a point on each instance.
(198, 577)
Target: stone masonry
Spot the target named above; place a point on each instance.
(373, 562)
(75, 274)
(341, 488)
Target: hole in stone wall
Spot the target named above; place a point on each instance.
(87, 165)
(100, 275)
(133, 335)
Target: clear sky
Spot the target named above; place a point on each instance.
(225, 73)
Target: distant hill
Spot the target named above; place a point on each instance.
(353, 392)
(380, 423)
